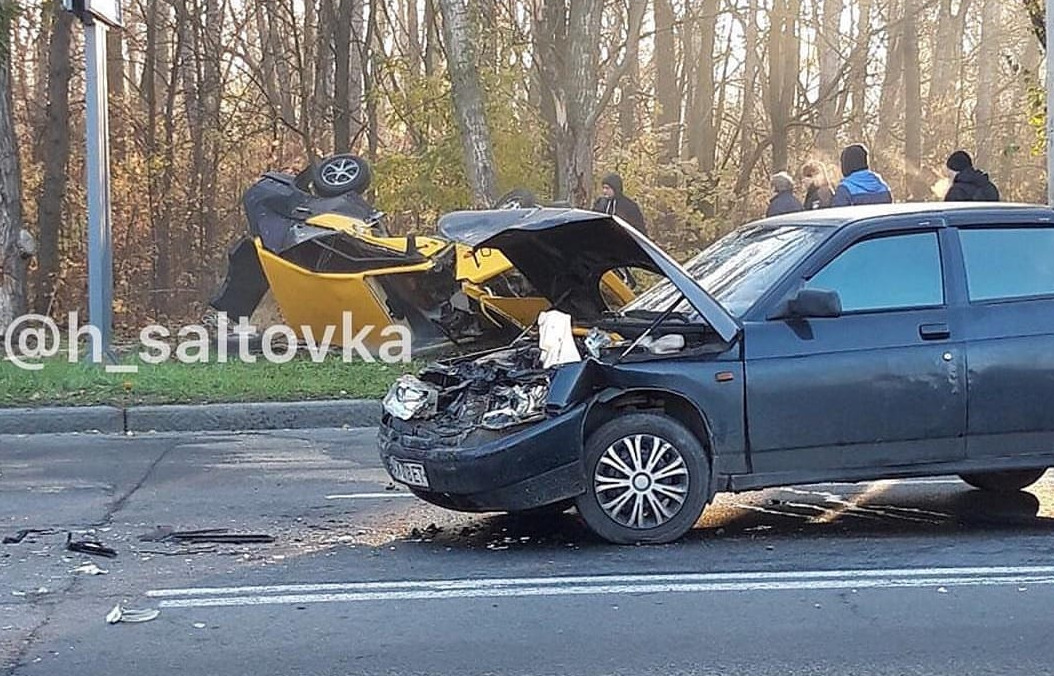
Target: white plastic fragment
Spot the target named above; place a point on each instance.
(119, 614)
(556, 339)
(90, 568)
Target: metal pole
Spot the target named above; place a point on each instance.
(1049, 20)
(100, 242)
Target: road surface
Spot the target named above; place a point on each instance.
(907, 577)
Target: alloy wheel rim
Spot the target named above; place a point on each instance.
(641, 481)
(340, 172)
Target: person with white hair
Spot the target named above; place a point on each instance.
(783, 201)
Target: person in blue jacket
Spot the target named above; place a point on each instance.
(860, 185)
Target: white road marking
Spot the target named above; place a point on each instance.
(403, 590)
(370, 496)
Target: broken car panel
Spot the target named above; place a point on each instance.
(809, 347)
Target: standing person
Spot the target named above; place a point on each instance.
(614, 201)
(783, 201)
(818, 193)
(859, 184)
(969, 184)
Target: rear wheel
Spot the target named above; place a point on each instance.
(647, 480)
(1003, 482)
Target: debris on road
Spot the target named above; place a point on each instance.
(93, 547)
(212, 535)
(119, 614)
(89, 568)
(21, 535)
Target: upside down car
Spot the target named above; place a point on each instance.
(322, 250)
(851, 344)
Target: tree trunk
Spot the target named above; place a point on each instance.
(12, 265)
(630, 87)
(912, 105)
(347, 99)
(987, 87)
(54, 156)
(667, 97)
(478, 156)
(830, 61)
(858, 72)
(702, 131)
(747, 143)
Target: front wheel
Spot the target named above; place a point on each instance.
(1007, 481)
(647, 480)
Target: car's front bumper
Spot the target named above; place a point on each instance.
(532, 466)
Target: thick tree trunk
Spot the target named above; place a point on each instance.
(830, 61)
(478, 156)
(55, 153)
(747, 143)
(347, 99)
(12, 264)
(702, 131)
(667, 96)
(987, 87)
(630, 87)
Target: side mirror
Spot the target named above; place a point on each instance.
(807, 303)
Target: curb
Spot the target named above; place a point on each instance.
(192, 417)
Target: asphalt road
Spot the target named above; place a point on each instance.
(915, 577)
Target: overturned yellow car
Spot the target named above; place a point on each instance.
(331, 266)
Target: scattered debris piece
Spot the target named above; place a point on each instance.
(93, 547)
(199, 625)
(89, 568)
(119, 614)
(21, 535)
(213, 535)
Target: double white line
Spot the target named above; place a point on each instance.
(416, 590)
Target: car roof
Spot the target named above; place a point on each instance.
(954, 213)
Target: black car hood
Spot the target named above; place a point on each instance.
(565, 252)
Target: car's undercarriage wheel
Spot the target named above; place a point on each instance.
(339, 174)
(520, 198)
(1003, 482)
(647, 480)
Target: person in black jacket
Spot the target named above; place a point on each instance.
(969, 184)
(614, 201)
(783, 201)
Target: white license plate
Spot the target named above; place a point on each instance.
(408, 472)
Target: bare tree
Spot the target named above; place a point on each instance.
(460, 41)
(55, 153)
(12, 263)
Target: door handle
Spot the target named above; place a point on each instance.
(934, 331)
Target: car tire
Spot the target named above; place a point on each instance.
(642, 523)
(340, 174)
(520, 198)
(1008, 481)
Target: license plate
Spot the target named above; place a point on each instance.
(408, 472)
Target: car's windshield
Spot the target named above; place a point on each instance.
(738, 268)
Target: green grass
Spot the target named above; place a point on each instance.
(60, 383)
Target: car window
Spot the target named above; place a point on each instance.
(885, 273)
(1006, 263)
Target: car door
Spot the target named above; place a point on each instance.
(881, 385)
(1009, 274)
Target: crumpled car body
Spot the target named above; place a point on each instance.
(330, 267)
(846, 345)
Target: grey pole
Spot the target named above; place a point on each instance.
(100, 238)
(1049, 20)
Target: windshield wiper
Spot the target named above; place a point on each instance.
(651, 327)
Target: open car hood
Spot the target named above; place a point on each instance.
(563, 253)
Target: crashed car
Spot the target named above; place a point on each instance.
(323, 250)
(847, 344)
